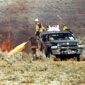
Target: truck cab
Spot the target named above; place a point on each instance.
(61, 44)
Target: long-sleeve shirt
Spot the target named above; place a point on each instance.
(40, 29)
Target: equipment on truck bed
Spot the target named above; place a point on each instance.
(53, 28)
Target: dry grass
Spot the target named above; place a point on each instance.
(42, 72)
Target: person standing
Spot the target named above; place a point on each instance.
(39, 27)
(65, 28)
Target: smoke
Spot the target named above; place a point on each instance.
(17, 16)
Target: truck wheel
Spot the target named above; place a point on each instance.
(78, 57)
(47, 54)
(56, 58)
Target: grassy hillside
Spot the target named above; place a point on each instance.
(17, 16)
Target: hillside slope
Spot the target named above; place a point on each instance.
(17, 16)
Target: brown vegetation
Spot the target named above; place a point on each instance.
(20, 70)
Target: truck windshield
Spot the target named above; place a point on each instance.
(60, 36)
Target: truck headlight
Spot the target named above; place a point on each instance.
(54, 47)
(81, 46)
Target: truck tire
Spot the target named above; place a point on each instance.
(78, 57)
(46, 52)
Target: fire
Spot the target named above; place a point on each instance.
(0, 41)
(6, 44)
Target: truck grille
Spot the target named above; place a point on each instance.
(68, 46)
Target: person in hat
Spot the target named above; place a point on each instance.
(65, 28)
(39, 27)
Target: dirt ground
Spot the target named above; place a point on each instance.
(22, 71)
